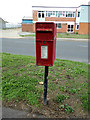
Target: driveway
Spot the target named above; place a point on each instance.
(10, 33)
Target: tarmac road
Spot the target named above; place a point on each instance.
(65, 49)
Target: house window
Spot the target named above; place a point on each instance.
(46, 13)
(56, 13)
(60, 13)
(64, 13)
(73, 14)
(78, 14)
(39, 15)
(70, 28)
(42, 14)
(77, 26)
(49, 13)
(69, 14)
(58, 25)
(53, 12)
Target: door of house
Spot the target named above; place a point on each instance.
(41, 16)
(70, 28)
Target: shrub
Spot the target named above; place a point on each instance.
(76, 32)
(61, 98)
(67, 33)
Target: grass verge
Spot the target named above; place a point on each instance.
(68, 81)
(65, 35)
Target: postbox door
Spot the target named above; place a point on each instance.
(44, 53)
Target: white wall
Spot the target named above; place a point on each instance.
(2, 24)
(12, 25)
(85, 17)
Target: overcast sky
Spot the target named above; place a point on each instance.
(14, 10)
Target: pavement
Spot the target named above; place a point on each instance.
(14, 113)
(10, 33)
(11, 113)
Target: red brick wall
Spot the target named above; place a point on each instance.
(63, 29)
(89, 29)
(35, 15)
(35, 18)
(84, 28)
(59, 19)
(33, 27)
(27, 27)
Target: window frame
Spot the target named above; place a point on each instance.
(77, 28)
(66, 14)
(57, 25)
(78, 14)
(72, 13)
(70, 29)
(41, 13)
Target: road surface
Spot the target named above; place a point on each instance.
(65, 49)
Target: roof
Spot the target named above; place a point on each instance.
(52, 7)
(84, 5)
(57, 6)
(3, 20)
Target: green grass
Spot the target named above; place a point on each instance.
(10, 28)
(21, 77)
(65, 35)
(32, 35)
(68, 109)
(60, 98)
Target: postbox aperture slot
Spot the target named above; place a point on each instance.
(44, 29)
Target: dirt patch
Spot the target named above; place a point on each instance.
(51, 110)
(73, 86)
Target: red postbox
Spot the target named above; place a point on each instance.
(45, 43)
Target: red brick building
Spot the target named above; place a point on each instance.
(27, 24)
(67, 19)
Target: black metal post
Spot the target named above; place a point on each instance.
(45, 85)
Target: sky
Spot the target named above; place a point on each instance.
(14, 10)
